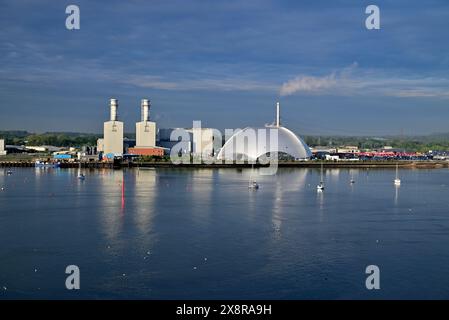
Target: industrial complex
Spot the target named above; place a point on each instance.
(197, 141)
(249, 144)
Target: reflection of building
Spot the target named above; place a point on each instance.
(2, 147)
(246, 144)
(146, 134)
(113, 133)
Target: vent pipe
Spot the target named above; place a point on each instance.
(114, 107)
(145, 108)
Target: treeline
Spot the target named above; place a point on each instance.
(73, 139)
(413, 144)
(57, 139)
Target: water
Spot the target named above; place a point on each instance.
(201, 234)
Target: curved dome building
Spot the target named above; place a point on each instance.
(252, 143)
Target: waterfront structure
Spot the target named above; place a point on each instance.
(203, 141)
(146, 134)
(151, 151)
(347, 149)
(113, 133)
(237, 146)
(169, 137)
(100, 145)
(43, 148)
(2, 147)
(145, 129)
(197, 140)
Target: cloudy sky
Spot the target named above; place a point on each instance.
(226, 63)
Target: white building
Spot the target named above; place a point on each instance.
(169, 137)
(2, 147)
(113, 133)
(244, 144)
(145, 129)
(203, 141)
(198, 141)
(100, 145)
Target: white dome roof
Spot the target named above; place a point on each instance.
(288, 142)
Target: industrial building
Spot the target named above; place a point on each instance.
(113, 133)
(238, 148)
(165, 138)
(2, 147)
(146, 134)
(100, 145)
(145, 129)
(197, 141)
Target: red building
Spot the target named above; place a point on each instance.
(149, 151)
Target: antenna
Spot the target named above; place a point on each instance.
(278, 116)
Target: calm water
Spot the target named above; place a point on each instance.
(192, 234)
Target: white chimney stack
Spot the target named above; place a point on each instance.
(145, 106)
(278, 116)
(114, 107)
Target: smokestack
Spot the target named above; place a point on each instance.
(278, 116)
(114, 107)
(145, 108)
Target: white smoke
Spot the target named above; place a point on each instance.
(304, 83)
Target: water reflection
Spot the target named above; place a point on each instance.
(144, 198)
(286, 182)
(110, 190)
(200, 191)
(396, 195)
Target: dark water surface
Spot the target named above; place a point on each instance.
(188, 234)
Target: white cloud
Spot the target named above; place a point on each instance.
(368, 82)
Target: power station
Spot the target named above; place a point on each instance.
(145, 129)
(146, 134)
(113, 133)
(200, 141)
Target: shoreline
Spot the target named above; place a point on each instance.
(410, 164)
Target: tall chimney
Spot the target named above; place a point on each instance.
(278, 116)
(114, 107)
(145, 108)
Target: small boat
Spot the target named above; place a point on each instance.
(320, 186)
(41, 164)
(397, 181)
(9, 172)
(253, 185)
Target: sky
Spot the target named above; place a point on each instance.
(227, 63)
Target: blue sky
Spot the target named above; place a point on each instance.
(226, 63)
